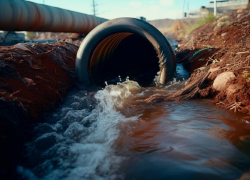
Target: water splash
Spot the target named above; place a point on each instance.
(78, 143)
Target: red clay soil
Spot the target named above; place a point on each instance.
(217, 47)
(34, 78)
(37, 76)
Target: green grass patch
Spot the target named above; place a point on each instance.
(191, 27)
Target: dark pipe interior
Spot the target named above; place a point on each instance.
(134, 57)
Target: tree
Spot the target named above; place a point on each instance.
(248, 5)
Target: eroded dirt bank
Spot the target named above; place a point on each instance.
(34, 78)
(218, 56)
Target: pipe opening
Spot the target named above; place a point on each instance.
(124, 54)
(125, 47)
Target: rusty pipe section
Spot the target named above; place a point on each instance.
(125, 47)
(20, 15)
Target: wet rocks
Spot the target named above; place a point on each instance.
(222, 79)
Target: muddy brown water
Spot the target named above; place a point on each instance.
(187, 140)
(112, 133)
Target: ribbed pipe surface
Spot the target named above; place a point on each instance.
(20, 15)
(125, 47)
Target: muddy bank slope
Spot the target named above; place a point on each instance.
(34, 78)
(218, 56)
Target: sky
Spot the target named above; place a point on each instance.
(110, 9)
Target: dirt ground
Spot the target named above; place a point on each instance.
(34, 78)
(46, 69)
(218, 57)
(215, 48)
(226, 50)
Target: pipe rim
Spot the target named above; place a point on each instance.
(131, 25)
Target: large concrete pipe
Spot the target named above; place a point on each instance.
(20, 15)
(125, 47)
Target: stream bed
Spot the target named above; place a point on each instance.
(112, 133)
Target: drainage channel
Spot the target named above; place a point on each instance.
(111, 133)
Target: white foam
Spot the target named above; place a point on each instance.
(81, 144)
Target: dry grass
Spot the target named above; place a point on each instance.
(188, 28)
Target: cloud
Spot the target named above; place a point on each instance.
(135, 4)
(166, 2)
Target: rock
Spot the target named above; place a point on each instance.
(223, 34)
(29, 81)
(213, 73)
(214, 69)
(222, 79)
(223, 18)
(232, 88)
(239, 10)
(219, 24)
(22, 47)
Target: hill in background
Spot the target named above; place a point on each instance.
(169, 26)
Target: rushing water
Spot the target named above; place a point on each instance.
(112, 133)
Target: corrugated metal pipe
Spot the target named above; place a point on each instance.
(20, 15)
(125, 47)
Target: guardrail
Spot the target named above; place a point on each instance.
(228, 3)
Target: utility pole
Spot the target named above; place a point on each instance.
(215, 8)
(183, 11)
(94, 7)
